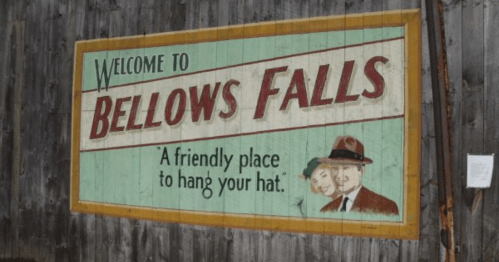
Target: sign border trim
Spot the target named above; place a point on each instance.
(407, 229)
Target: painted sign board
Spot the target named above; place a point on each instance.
(309, 125)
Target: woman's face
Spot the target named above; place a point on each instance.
(322, 180)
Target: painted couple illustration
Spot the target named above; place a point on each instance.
(339, 177)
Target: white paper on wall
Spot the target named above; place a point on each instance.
(480, 170)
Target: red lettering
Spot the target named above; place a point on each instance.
(229, 99)
(342, 95)
(133, 114)
(204, 103)
(169, 106)
(118, 113)
(150, 112)
(320, 81)
(375, 78)
(301, 91)
(266, 90)
(101, 117)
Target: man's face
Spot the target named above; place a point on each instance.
(347, 177)
(322, 180)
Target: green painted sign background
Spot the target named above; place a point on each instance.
(132, 176)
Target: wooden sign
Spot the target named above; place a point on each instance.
(309, 125)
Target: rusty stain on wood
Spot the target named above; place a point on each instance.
(440, 79)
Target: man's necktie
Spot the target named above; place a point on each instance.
(344, 205)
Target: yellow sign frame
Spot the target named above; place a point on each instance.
(407, 229)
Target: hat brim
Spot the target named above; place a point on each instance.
(345, 161)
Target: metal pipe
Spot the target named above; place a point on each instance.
(441, 110)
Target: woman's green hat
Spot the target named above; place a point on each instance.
(312, 164)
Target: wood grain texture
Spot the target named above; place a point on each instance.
(473, 123)
(454, 36)
(48, 231)
(430, 230)
(87, 237)
(454, 39)
(430, 236)
(36, 104)
(6, 143)
(74, 244)
(490, 204)
(11, 65)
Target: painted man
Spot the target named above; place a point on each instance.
(348, 160)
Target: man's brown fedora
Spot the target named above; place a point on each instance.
(346, 150)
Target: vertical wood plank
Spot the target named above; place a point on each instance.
(430, 230)
(187, 242)
(95, 22)
(235, 249)
(350, 249)
(202, 250)
(335, 248)
(411, 4)
(233, 12)
(161, 16)
(126, 232)
(176, 246)
(206, 244)
(190, 19)
(36, 102)
(6, 139)
(277, 251)
(49, 108)
(280, 243)
(313, 248)
(490, 204)
(223, 12)
(74, 245)
(100, 244)
(146, 17)
(365, 247)
(223, 244)
(473, 123)
(142, 237)
(374, 250)
(56, 170)
(69, 248)
(87, 237)
(111, 238)
(160, 245)
(454, 38)
(68, 23)
(11, 65)
(334, 244)
(144, 234)
(129, 231)
(298, 250)
(390, 250)
(409, 251)
(262, 247)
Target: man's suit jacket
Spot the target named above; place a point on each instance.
(366, 201)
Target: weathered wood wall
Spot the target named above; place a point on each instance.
(36, 62)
